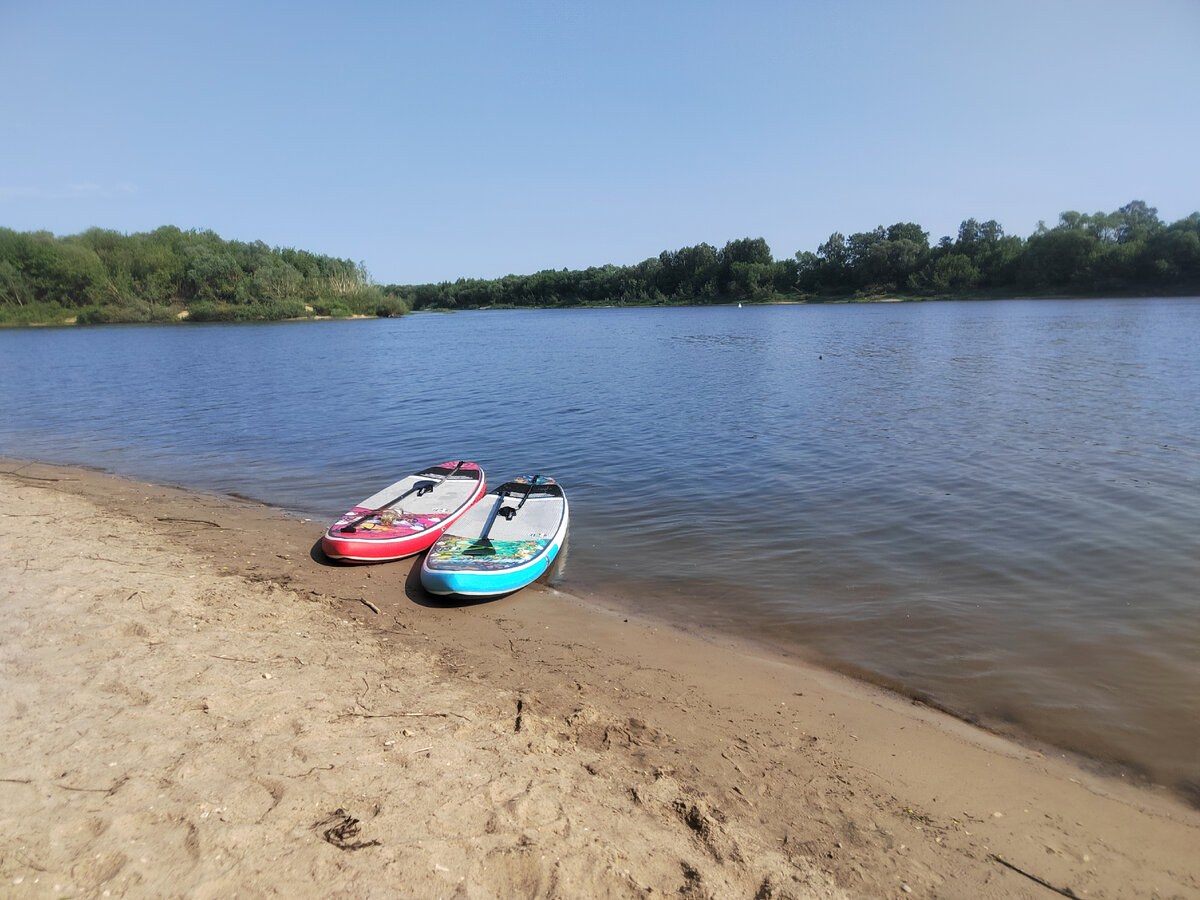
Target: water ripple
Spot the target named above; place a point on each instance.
(994, 504)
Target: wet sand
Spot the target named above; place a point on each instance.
(195, 703)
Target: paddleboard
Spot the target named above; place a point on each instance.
(504, 542)
(406, 516)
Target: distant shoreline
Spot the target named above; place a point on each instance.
(106, 277)
(182, 317)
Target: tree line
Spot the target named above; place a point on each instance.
(103, 276)
(1127, 251)
(168, 274)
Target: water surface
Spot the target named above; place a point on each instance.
(996, 504)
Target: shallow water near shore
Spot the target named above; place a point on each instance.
(996, 505)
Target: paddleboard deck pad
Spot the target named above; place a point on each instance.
(503, 543)
(407, 516)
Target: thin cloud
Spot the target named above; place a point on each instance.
(18, 192)
(83, 191)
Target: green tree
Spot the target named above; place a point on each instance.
(746, 269)
(833, 267)
(67, 273)
(212, 272)
(1059, 258)
(1171, 255)
(14, 288)
(1137, 222)
(954, 272)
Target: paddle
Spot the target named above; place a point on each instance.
(420, 489)
(482, 545)
(508, 512)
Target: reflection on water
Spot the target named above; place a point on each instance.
(994, 504)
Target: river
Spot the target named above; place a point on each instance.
(992, 505)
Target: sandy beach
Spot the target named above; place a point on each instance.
(197, 704)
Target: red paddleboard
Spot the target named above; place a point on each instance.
(407, 516)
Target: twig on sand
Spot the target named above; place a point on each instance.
(402, 715)
(234, 658)
(30, 477)
(190, 521)
(108, 790)
(369, 605)
(310, 771)
(1066, 892)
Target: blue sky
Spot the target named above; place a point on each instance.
(436, 140)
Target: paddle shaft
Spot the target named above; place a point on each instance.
(491, 521)
(396, 500)
(482, 545)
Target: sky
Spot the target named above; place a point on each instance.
(434, 141)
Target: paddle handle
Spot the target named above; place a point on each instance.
(509, 513)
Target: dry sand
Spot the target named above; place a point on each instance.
(196, 704)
